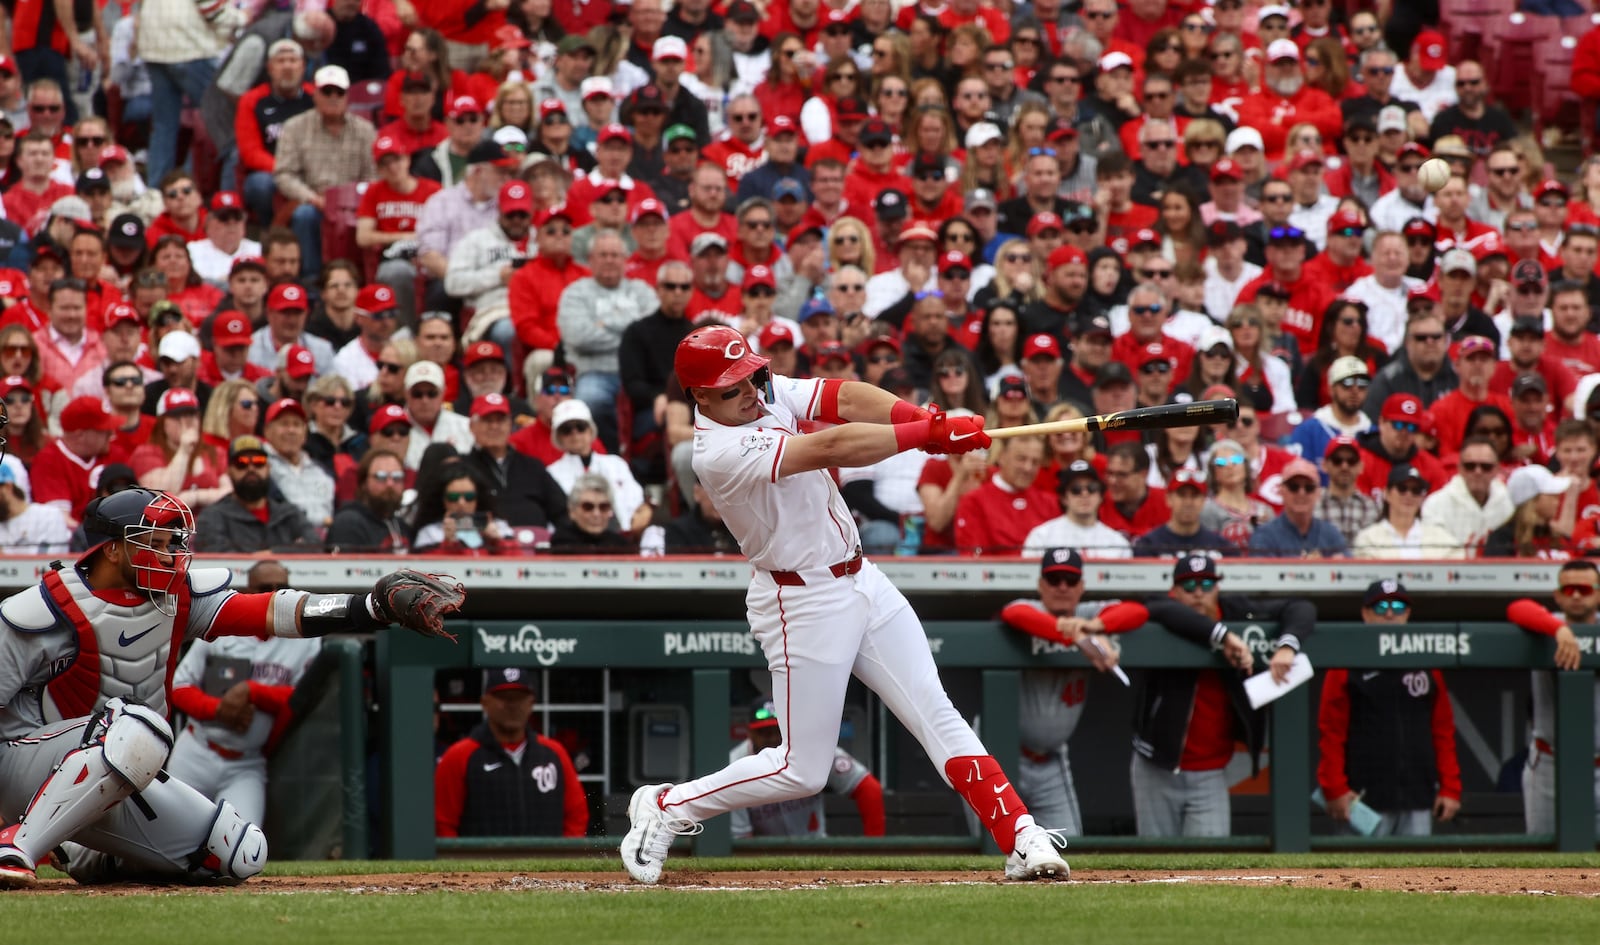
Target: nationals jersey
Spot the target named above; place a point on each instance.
(1050, 701)
(738, 466)
(280, 661)
(1544, 702)
(66, 649)
(801, 816)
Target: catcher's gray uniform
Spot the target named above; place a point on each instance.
(1050, 702)
(65, 653)
(801, 817)
(1539, 774)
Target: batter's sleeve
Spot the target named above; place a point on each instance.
(1444, 739)
(1333, 727)
(450, 788)
(802, 396)
(735, 466)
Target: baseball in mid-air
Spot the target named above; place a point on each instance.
(1433, 174)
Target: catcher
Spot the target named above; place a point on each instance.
(86, 661)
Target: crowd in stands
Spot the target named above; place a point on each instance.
(389, 275)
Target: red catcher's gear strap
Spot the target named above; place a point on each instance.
(979, 780)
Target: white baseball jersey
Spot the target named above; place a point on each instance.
(802, 816)
(280, 661)
(738, 465)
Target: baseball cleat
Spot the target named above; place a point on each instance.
(1035, 856)
(16, 867)
(644, 849)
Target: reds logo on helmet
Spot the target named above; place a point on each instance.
(715, 356)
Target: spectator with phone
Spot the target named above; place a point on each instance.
(457, 516)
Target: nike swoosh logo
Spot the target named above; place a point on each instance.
(125, 640)
(1367, 676)
(256, 856)
(494, 767)
(638, 857)
(956, 437)
(998, 788)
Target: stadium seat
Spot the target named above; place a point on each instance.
(366, 99)
(1464, 23)
(1554, 104)
(1509, 43)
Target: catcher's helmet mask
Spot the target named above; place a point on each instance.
(156, 531)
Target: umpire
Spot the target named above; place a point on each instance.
(1188, 720)
(1051, 700)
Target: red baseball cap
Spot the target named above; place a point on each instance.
(516, 196)
(1471, 345)
(781, 125)
(649, 206)
(1403, 407)
(176, 399)
(1144, 237)
(774, 333)
(759, 275)
(1227, 169)
(509, 37)
(385, 146)
(296, 361)
(1067, 255)
(1429, 49)
(489, 404)
(119, 312)
(1341, 443)
(954, 259)
(551, 106)
(283, 406)
(614, 132)
(1344, 220)
(877, 341)
(1151, 353)
(550, 213)
(386, 416)
(15, 382)
(87, 413)
(482, 351)
(226, 200)
(248, 262)
(1044, 221)
(112, 153)
(286, 296)
(1041, 345)
(1305, 157)
(462, 105)
(231, 330)
(375, 298)
(1489, 244)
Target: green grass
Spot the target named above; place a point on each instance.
(970, 915)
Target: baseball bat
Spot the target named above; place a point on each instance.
(1199, 413)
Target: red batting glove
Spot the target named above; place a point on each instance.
(947, 434)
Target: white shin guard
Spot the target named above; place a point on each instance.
(122, 752)
(235, 848)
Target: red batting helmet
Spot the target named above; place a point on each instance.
(715, 356)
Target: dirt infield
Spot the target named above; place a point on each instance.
(1530, 882)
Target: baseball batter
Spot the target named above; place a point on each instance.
(820, 611)
(1577, 601)
(804, 817)
(86, 664)
(1050, 701)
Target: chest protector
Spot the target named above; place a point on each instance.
(128, 650)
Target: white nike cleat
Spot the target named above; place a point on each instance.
(644, 849)
(1035, 856)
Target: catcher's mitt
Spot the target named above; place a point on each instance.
(418, 601)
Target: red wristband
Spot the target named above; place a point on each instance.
(911, 436)
(907, 412)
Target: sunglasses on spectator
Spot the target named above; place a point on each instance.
(589, 506)
(389, 367)
(1085, 488)
(557, 390)
(1477, 467)
(846, 238)
(1577, 590)
(1386, 607)
(1427, 337)
(425, 393)
(45, 109)
(1246, 422)
(461, 497)
(394, 475)
(1156, 274)
(1235, 459)
(850, 288)
(1403, 426)
(1505, 171)
(395, 430)
(671, 287)
(1419, 241)
(1411, 489)
(567, 429)
(254, 461)
(19, 397)
(346, 402)
(174, 193)
(1063, 579)
(1202, 584)
(1144, 310)
(1301, 485)
(1018, 258)
(127, 380)
(1160, 144)
(1343, 459)
(953, 371)
(1352, 383)
(332, 91)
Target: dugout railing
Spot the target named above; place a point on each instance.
(406, 668)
